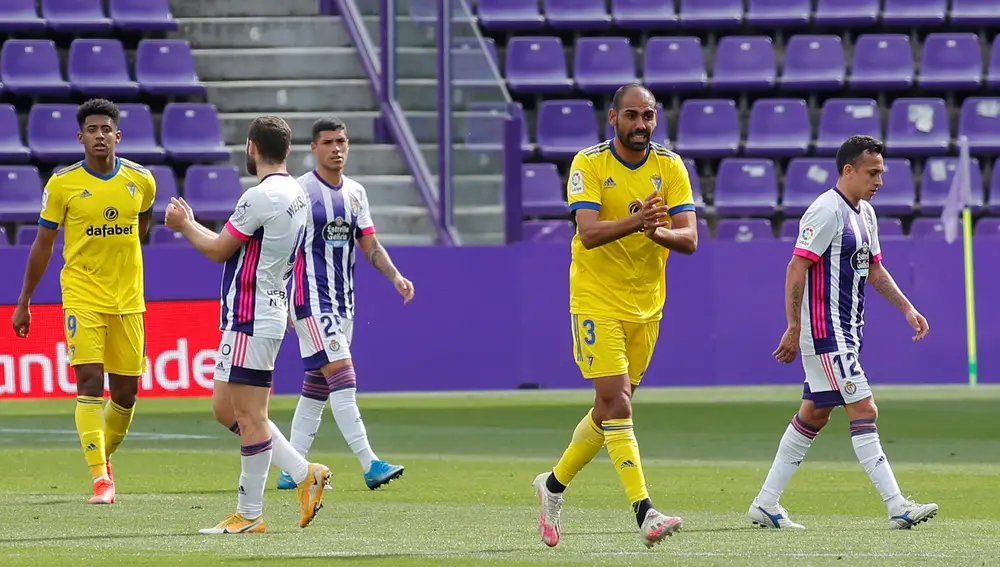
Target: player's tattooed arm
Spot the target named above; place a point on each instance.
(378, 256)
(880, 279)
(795, 284)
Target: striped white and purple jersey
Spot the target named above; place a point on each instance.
(324, 269)
(270, 220)
(842, 241)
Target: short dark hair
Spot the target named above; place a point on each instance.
(97, 107)
(272, 136)
(329, 124)
(855, 147)
(616, 102)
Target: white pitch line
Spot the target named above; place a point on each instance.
(452, 554)
(137, 434)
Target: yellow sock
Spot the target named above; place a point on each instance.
(90, 426)
(116, 422)
(588, 439)
(624, 452)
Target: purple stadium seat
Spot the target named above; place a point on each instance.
(789, 229)
(510, 14)
(993, 74)
(53, 131)
(212, 190)
(547, 231)
(951, 61)
(26, 233)
(166, 187)
(98, 67)
(891, 228)
(918, 127)
(847, 13)
(160, 235)
(708, 128)
(744, 230)
(936, 182)
(882, 62)
(898, 192)
(565, 127)
(699, 201)
(20, 193)
(995, 188)
(927, 228)
(914, 13)
(842, 118)
(76, 16)
(715, 14)
(471, 62)
(165, 67)
(814, 62)
(746, 187)
(537, 65)
(979, 13)
(192, 133)
(4, 240)
(660, 135)
(644, 14)
(20, 16)
(577, 14)
(980, 121)
(542, 190)
(806, 179)
(778, 13)
(489, 130)
(142, 15)
(602, 64)
(744, 63)
(31, 67)
(138, 135)
(12, 149)
(987, 228)
(674, 64)
(778, 127)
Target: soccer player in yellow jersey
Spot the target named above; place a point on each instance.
(633, 203)
(104, 203)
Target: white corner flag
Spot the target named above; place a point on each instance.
(960, 193)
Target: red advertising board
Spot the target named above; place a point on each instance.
(181, 341)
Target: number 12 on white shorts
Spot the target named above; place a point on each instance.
(835, 378)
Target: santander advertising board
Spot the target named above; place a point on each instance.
(181, 342)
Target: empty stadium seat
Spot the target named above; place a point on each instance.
(20, 16)
(26, 233)
(744, 63)
(4, 239)
(30, 67)
(165, 67)
(470, 62)
(162, 236)
(778, 128)
(846, 13)
(708, 128)
(882, 62)
(192, 133)
(977, 13)
(814, 62)
(602, 64)
(898, 192)
(141, 15)
(842, 118)
(778, 13)
(806, 179)
(212, 190)
(659, 133)
(564, 127)
(993, 73)
(890, 228)
(744, 230)
(52, 133)
(692, 168)
(979, 120)
(644, 14)
(98, 67)
(542, 190)
(577, 14)
(674, 64)
(20, 193)
(936, 182)
(918, 127)
(138, 135)
(951, 61)
(927, 228)
(537, 65)
(166, 187)
(486, 127)
(510, 14)
(914, 13)
(12, 148)
(712, 14)
(995, 188)
(547, 231)
(987, 228)
(76, 16)
(746, 186)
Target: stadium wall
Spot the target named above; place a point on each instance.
(496, 318)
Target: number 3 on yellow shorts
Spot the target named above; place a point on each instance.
(599, 346)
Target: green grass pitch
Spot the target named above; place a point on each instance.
(466, 498)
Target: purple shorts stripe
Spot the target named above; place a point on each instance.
(828, 399)
(342, 379)
(250, 377)
(235, 428)
(255, 449)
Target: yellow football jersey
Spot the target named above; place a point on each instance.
(100, 214)
(625, 279)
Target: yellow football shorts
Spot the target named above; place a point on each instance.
(609, 347)
(116, 341)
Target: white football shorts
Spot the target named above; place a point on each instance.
(243, 359)
(834, 379)
(323, 339)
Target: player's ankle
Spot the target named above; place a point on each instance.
(553, 485)
(895, 504)
(641, 508)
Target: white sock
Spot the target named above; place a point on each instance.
(305, 423)
(795, 442)
(255, 460)
(286, 457)
(344, 405)
(868, 448)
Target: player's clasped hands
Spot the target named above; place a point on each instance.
(178, 214)
(653, 213)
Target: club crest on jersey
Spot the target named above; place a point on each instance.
(337, 233)
(355, 206)
(334, 345)
(657, 182)
(861, 259)
(131, 189)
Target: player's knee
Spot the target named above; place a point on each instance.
(864, 409)
(617, 406)
(124, 390)
(89, 380)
